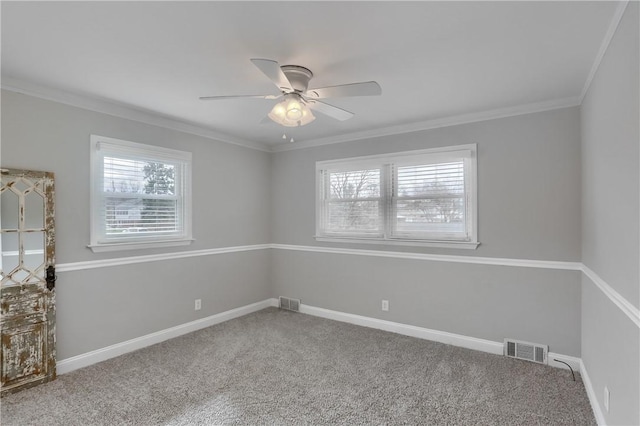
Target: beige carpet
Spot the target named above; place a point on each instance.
(276, 367)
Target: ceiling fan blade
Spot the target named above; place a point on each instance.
(367, 88)
(272, 70)
(266, 120)
(330, 110)
(215, 98)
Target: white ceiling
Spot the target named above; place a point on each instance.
(432, 59)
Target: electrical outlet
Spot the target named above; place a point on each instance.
(606, 399)
(385, 305)
(198, 305)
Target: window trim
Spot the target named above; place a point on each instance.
(383, 161)
(151, 152)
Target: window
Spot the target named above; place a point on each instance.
(425, 197)
(139, 195)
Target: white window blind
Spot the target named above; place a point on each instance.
(418, 196)
(353, 202)
(429, 200)
(140, 197)
(139, 194)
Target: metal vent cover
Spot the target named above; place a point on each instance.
(533, 352)
(289, 304)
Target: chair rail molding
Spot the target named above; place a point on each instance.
(623, 304)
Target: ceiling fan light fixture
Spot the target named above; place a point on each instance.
(294, 109)
(291, 112)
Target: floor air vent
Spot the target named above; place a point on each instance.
(525, 350)
(290, 304)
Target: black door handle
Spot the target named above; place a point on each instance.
(51, 277)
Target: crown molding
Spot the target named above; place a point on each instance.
(121, 110)
(149, 117)
(153, 118)
(435, 123)
(476, 116)
(613, 26)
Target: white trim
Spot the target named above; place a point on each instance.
(407, 330)
(103, 263)
(400, 242)
(613, 26)
(595, 405)
(386, 164)
(99, 248)
(153, 152)
(448, 152)
(149, 117)
(475, 116)
(573, 361)
(483, 345)
(631, 311)
(83, 360)
(122, 110)
(153, 118)
(455, 120)
(625, 306)
(101, 147)
(545, 264)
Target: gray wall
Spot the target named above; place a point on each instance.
(610, 231)
(230, 183)
(99, 307)
(481, 301)
(528, 184)
(529, 208)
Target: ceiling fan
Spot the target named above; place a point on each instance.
(298, 101)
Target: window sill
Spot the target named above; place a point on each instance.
(137, 245)
(468, 245)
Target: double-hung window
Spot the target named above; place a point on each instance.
(425, 197)
(139, 195)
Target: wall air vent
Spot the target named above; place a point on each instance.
(533, 352)
(290, 304)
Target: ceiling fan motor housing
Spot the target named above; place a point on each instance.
(298, 77)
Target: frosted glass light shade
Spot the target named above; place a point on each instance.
(291, 112)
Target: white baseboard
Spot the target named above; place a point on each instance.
(70, 364)
(474, 343)
(83, 360)
(407, 330)
(573, 361)
(595, 405)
